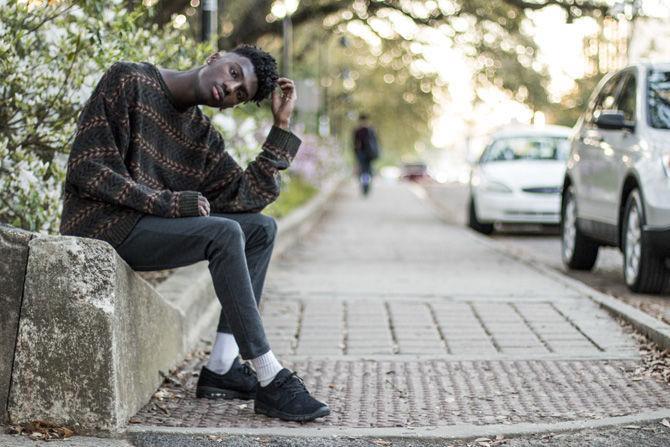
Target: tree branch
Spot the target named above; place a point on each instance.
(255, 25)
(165, 9)
(569, 6)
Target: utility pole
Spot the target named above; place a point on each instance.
(209, 20)
(287, 46)
(284, 9)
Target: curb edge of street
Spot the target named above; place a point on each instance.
(453, 432)
(654, 329)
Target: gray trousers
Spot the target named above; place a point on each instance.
(238, 248)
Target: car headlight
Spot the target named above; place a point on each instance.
(494, 186)
(665, 159)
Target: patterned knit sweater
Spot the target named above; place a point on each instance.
(135, 153)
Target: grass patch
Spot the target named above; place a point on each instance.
(294, 193)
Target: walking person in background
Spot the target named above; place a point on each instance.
(149, 174)
(366, 150)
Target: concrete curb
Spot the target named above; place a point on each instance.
(91, 338)
(656, 330)
(191, 292)
(14, 254)
(453, 432)
(75, 441)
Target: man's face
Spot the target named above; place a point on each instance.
(227, 80)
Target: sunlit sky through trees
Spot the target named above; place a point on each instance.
(479, 65)
(463, 122)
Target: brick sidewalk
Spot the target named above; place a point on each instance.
(397, 320)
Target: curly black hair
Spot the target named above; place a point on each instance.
(266, 70)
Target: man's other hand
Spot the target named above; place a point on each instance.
(283, 102)
(203, 205)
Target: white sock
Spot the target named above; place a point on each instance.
(267, 366)
(224, 353)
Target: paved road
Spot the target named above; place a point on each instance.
(544, 244)
(409, 327)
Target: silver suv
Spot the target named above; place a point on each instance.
(617, 184)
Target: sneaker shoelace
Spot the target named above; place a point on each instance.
(247, 370)
(293, 383)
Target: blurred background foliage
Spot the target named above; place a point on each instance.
(380, 67)
(51, 56)
(361, 56)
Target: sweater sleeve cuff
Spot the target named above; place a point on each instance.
(283, 140)
(188, 203)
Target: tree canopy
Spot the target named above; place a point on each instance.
(393, 82)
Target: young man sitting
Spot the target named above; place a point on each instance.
(149, 174)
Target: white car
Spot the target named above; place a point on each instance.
(617, 185)
(518, 178)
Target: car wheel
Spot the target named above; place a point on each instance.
(579, 252)
(473, 220)
(643, 271)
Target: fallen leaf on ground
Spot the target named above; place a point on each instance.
(666, 423)
(381, 442)
(162, 408)
(162, 394)
(41, 430)
(65, 432)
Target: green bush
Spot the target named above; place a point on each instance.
(51, 56)
(294, 192)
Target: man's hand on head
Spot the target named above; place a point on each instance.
(203, 205)
(283, 102)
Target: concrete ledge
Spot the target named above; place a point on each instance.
(14, 255)
(191, 291)
(92, 337)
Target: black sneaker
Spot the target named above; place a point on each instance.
(287, 398)
(238, 383)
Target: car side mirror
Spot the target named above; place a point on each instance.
(610, 119)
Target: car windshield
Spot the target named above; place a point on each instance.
(659, 99)
(527, 148)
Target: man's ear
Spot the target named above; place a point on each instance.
(213, 57)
